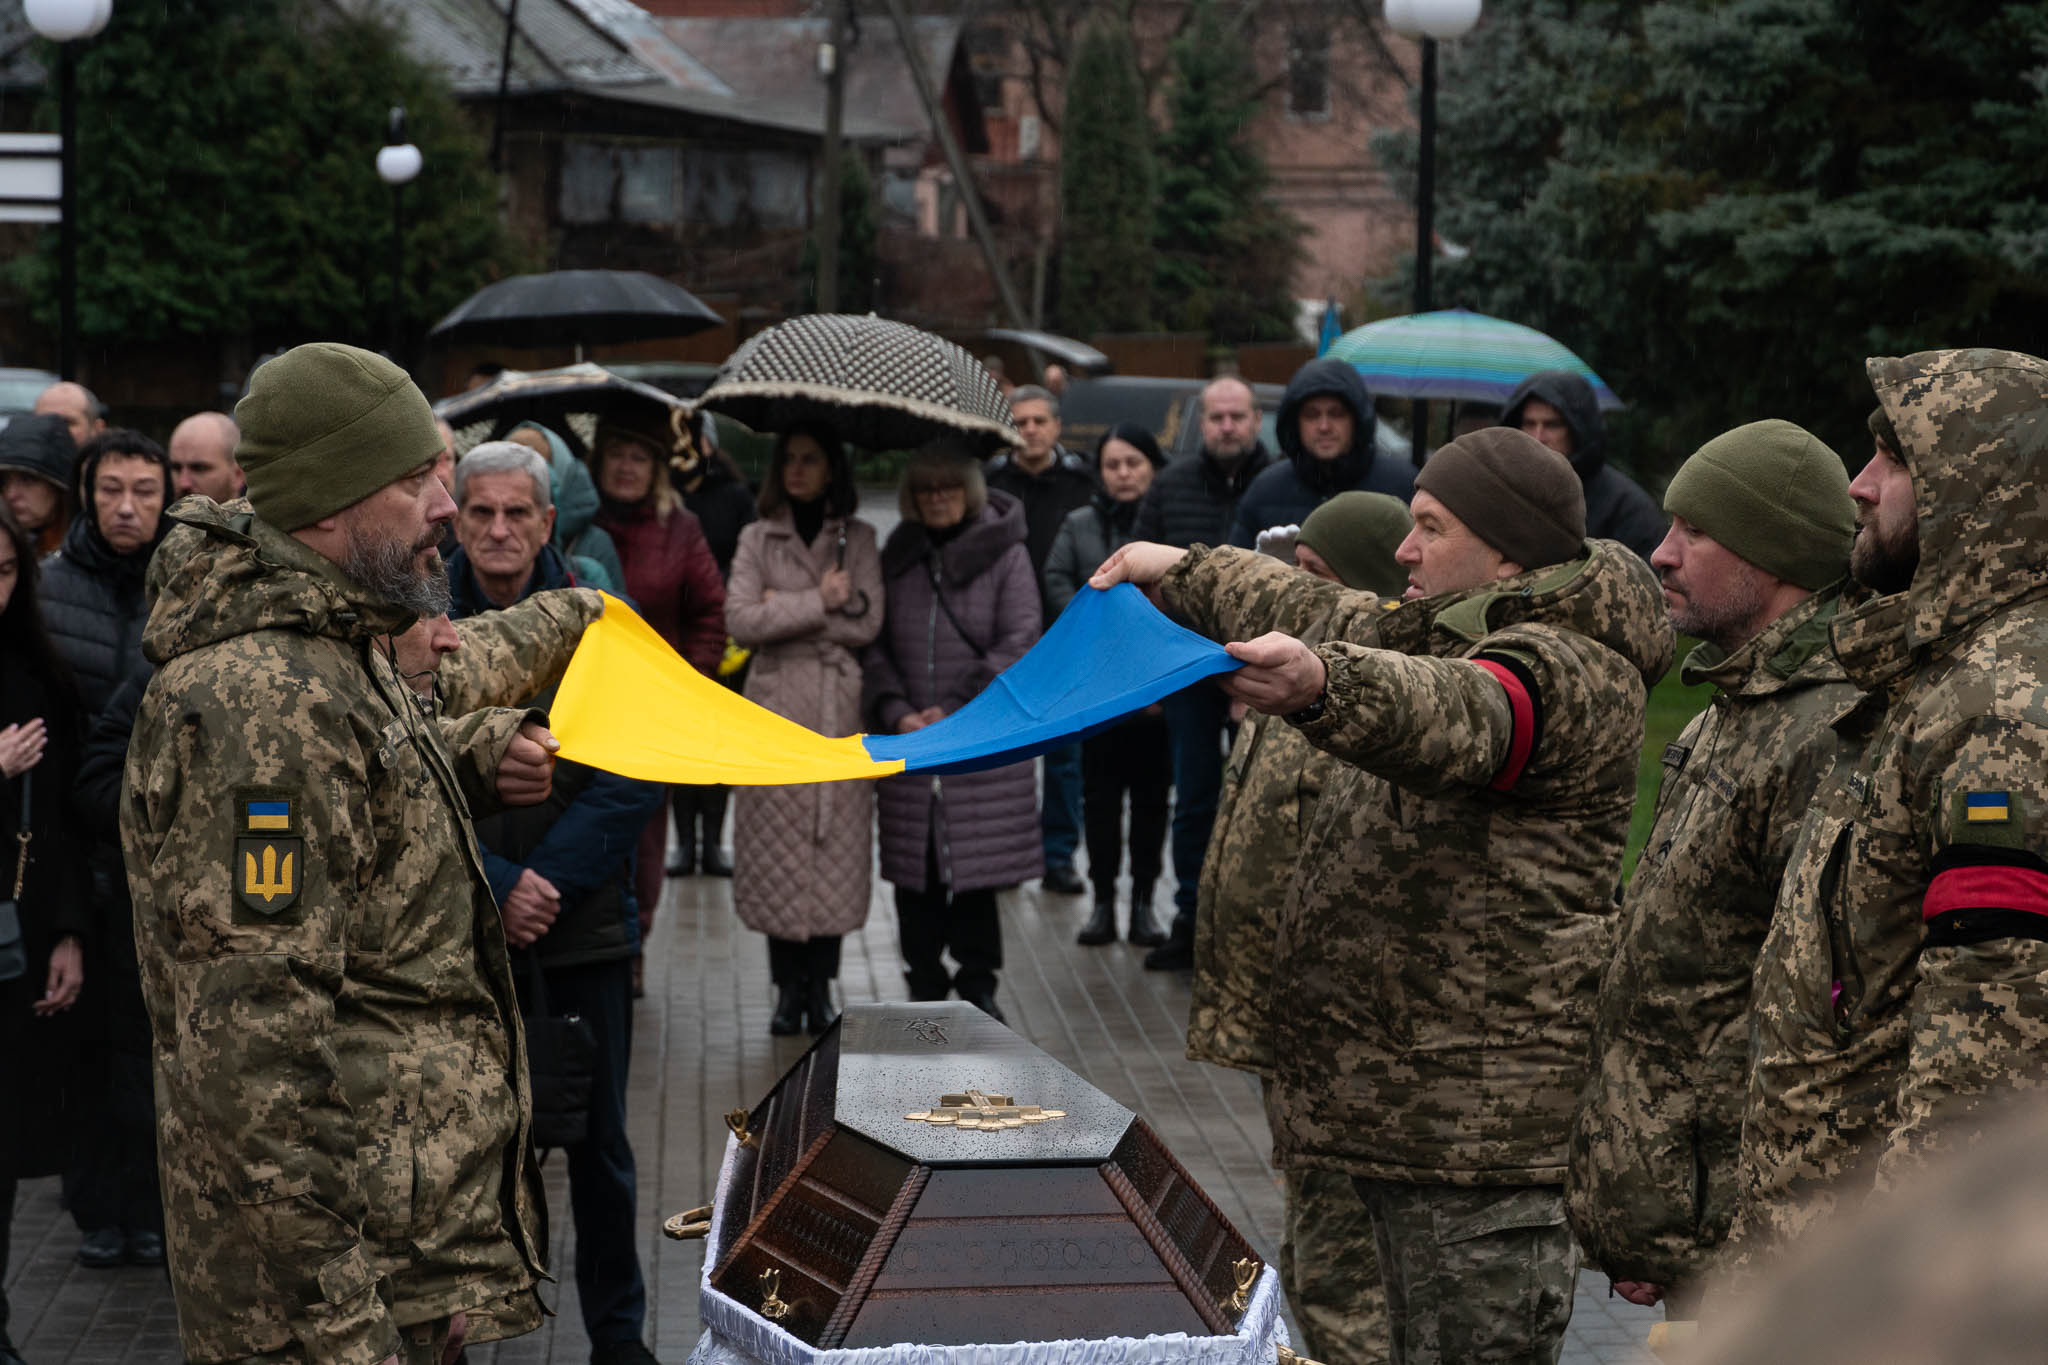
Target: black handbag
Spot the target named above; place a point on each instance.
(13, 952)
(561, 1065)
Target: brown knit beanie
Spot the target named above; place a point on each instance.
(324, 426)
(1517, 495)
(1775, 494)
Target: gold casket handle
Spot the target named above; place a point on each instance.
(689, 1225)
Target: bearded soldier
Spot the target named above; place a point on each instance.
(339, 1065)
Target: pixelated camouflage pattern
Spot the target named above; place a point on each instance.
(341, 1086)
(1442, 941)
(1474, 1274)
(520, 652)
(1270, 785)
(1656, 1143)
(1330, 1269)
(1868, 1049)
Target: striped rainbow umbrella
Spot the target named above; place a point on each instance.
(1457, 354)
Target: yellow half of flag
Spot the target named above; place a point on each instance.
(631, 705)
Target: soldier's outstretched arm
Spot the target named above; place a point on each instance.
(1230, 594)
(512, 656)
(1979, 1014)
(251, 844)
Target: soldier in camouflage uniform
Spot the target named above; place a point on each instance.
(1903, 989)
(340, 1078)
(1270, 785)
(1753, 565)
(1444, 933)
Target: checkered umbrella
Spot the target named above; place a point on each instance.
(880, 385)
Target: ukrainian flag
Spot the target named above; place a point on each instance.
(1981, 807)
(269, 815)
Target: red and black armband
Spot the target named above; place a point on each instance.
(1980, 892)
(1525, 706)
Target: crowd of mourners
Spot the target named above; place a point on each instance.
(1395, 835)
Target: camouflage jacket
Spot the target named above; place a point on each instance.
(1903, 988)
(1269, 796)
(340, 1069)
(1655, 1147)
(520, 652)
(1443, 936)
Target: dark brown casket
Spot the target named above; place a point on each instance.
(923, 1174)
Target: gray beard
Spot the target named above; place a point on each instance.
(385, 566)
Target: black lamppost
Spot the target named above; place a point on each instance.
(398, 161)
(62, 21)
(1428, 21)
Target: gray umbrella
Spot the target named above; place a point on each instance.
(880, 385)
(576, 307)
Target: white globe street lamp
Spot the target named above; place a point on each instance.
(1427, 21)
(63, 22)
(398, 162)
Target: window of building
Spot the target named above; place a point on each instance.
(1308, 71)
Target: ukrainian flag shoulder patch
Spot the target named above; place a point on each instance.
(1987, 808)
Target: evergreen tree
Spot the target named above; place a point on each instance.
(1226, 252)
(1107, 189)
(858, 256)
(227, 179)
(1724, 208)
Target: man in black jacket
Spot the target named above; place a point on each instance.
(561, 872)
(1325, 427)
(93, 603)
(1050, 481)
(1194, 502)
(1559, 409)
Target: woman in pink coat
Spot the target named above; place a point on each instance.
(805, 595)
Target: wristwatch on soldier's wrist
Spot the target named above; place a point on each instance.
(1312, 712)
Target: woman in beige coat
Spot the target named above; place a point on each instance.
(805, 595)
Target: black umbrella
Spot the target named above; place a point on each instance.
(572, 401)
(576, 307)
(880, 385)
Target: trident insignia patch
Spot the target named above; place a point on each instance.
(269, 857)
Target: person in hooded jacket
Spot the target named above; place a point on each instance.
(716, 491)
(37, 461)
(1134, 755)
(1901, 997)
(577, 535)
(1325, 426)
(960, 606)
(94, 605)
(1559, 409)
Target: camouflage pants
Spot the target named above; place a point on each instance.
(423, 1344)
(1331, 1270)
(1473, 1274)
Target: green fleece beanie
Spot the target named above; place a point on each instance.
(1517, 495)
(1356, 534)
(326, 425)
(1773, 493)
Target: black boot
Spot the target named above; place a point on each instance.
(788, 1020)
(1177, 954)
(1101, 926)
(716, 863)
(683, 861)
(818, 1011)
(1145, 930)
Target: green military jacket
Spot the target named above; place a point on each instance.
(1270, 786)
(1902, 992)
(1655, 1147)
(340, 1074)
(1452, 905)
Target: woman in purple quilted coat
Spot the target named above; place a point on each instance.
(962, 606)
(805, 595)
